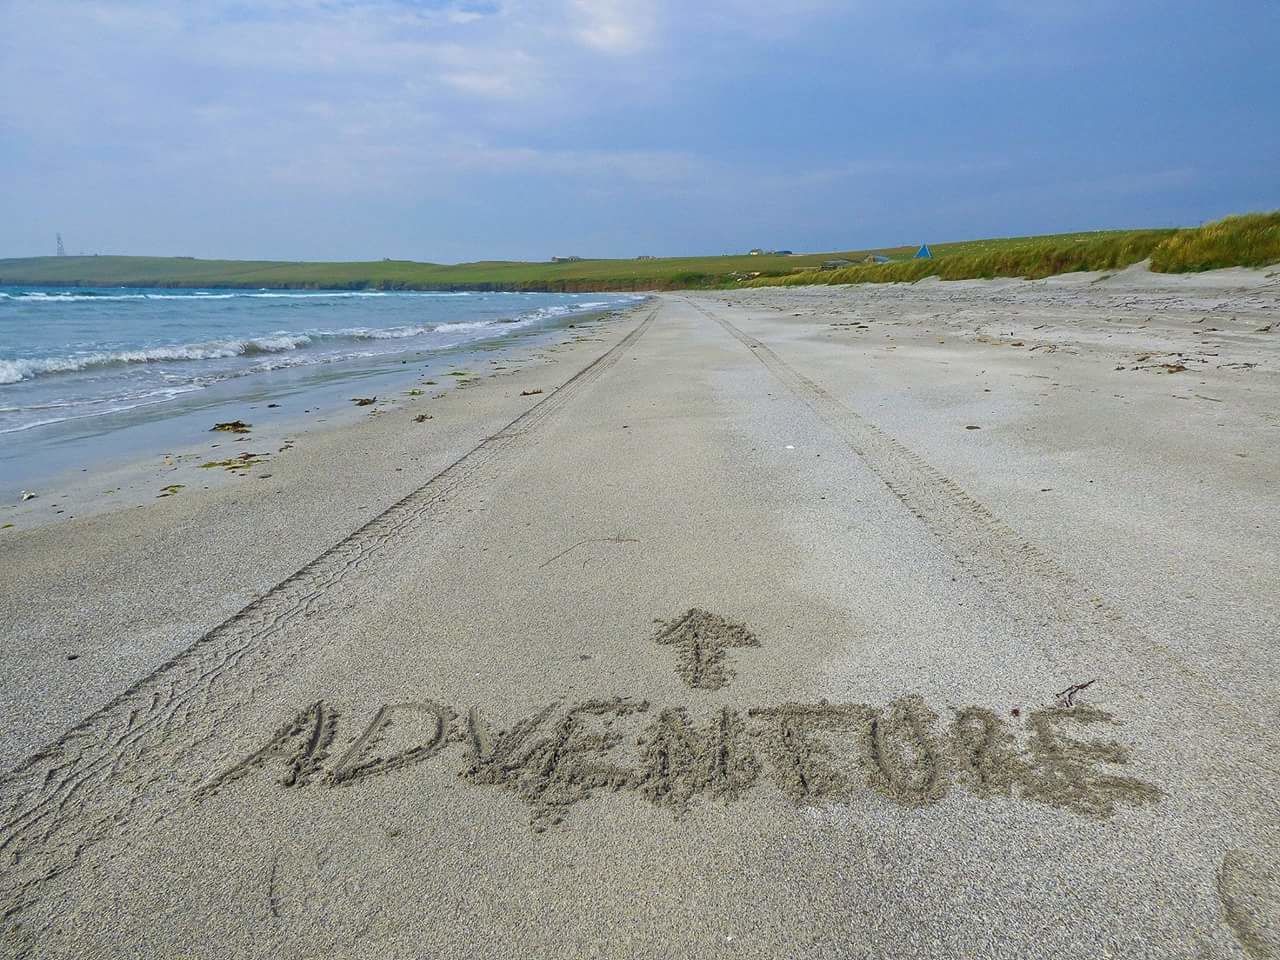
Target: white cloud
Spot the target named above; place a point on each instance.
(614, 26)
(274, 114)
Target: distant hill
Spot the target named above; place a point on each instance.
(1253, 239)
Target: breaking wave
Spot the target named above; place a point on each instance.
(13, 371)
(17, 370)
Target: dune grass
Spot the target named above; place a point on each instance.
(1246, 240)
(1033, 259)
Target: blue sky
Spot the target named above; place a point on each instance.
(357, 129)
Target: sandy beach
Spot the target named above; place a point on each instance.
(914, 620)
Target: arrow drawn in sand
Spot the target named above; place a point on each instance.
(702, 639)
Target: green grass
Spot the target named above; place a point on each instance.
(585, 275)
(1030, 257)
(1247, 240)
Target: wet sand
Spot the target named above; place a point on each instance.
(921, 620)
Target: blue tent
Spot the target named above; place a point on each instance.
(923, 253)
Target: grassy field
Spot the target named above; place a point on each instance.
(1248, 240)
(584, 275)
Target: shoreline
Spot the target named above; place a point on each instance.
(336, 474)
(160, 440)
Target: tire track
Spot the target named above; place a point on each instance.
(1034, 588)
(988, 548)
(118, 766)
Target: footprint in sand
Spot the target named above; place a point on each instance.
(1249, 888)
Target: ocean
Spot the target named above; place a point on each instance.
(82, 364)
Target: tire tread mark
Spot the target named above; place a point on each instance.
(983, 544)
(97, 776)
(1001, 560)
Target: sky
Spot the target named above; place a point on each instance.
(450, 130)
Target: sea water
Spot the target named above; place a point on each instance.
(79, 365)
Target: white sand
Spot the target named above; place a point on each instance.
(796, 460)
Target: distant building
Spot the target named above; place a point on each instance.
(783, 253)
(836, 264)
(565, 259)
(646, 256)
(757, 252)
